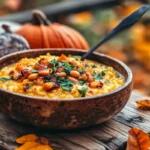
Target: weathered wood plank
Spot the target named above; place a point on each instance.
(111, 135)
(84, 141)
(61, 8)
(107, 136)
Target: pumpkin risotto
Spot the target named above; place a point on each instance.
(62, 76)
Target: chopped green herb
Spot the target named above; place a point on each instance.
(117, 75)
(82, 70)
(34, 71)
(98, 77)
(55, 63)
(65, 87)
(60, 64)
(68, 67)
(107, 81)
(5, 79)
(56, 75)
(94, 66)
(82, 91)
(29, 85)
(65, 84)
(77, 56)
(101, 65)
(103, 73)
(82, 82)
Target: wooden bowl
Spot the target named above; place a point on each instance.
(65, 113)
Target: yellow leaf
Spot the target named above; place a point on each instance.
(41, 147)
(138, 140)
(26, 138)
(143, 104)
(28, 145)
(32, 142)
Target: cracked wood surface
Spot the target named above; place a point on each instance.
(111, 135)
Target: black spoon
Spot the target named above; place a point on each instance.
(124, 24)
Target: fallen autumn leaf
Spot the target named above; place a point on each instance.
(138, 140)
(143, 104)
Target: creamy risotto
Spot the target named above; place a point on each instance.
(59, 77)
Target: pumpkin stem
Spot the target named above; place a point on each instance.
(40, 18)
(6, 28)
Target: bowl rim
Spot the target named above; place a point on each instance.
(47, 50)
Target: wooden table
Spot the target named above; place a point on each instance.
(111, 135)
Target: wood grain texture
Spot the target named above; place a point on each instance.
(111, 135)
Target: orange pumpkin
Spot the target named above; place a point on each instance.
(44, 34)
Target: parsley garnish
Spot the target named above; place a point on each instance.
(65, 84)
(107, 81)
(60, 64)
(77, 56)
(55, 64)
(27, 86)
(34, 71)
(68, 67)
(82, 91)
(94, 66)
(82, 82)
(117, 75)
(5, 79)
(98, 77)
(103, 73)
(82, 70)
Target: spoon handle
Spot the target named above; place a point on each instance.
(109, 36)
(124, 24)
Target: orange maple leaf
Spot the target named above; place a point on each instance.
(143, 104)
(138, 140)
(33, 142)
